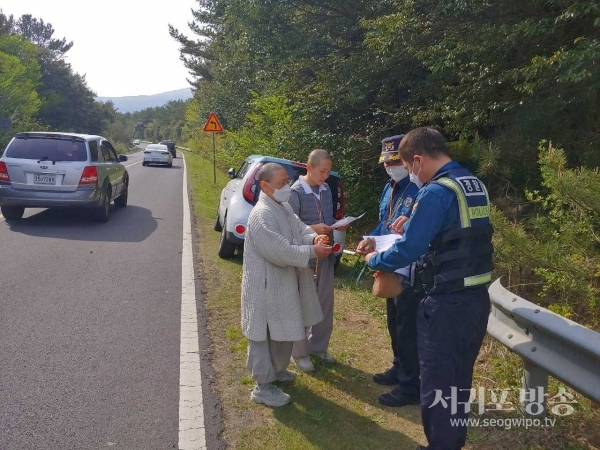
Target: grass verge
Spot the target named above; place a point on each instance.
(336, 407)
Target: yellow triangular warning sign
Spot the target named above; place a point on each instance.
(213, 125)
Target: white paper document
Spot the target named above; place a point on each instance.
(346, 221)
(382, 243)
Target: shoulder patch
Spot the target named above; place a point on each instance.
(471, 185)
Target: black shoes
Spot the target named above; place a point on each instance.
(387, 378)
(397, 398)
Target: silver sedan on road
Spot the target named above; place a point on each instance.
(157, 154)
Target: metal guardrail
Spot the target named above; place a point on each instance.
(549, 345)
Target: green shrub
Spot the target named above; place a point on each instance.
(553, 253)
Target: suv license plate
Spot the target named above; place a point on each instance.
(43, 179)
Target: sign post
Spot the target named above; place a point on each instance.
(213, 126)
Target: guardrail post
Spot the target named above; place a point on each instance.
(550, 345)
(535, 389)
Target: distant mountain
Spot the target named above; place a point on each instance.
(139, 102)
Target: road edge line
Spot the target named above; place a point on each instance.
(192, 431)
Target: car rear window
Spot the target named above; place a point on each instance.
(294, 172)
(47, 149)
(251, 190)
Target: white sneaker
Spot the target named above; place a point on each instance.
(304, 363)
(286, 375)
(269, 394)
(325, 357)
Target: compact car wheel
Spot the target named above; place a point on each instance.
(218, 226)
(226, 248)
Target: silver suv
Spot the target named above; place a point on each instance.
(61, 170)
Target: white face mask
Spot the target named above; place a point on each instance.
(283, 194)
(396, 173)
(414, 178)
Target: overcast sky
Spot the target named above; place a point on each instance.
(122, 46)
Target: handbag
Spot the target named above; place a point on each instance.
(386, 285)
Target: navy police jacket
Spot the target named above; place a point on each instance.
(450, 226)
(401, 197)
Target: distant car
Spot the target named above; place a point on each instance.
(61, 170)
(171, 146)
(240, 195)
(136, 142)
(157, 154)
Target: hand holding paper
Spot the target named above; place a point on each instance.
(346, 221)
(382, 243)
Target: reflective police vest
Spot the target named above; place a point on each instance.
(460, 257)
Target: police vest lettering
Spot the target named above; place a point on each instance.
(460, 257)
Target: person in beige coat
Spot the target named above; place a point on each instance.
(279, 297)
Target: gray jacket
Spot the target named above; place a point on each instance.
(278, 290)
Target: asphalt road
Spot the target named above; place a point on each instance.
(90, 322)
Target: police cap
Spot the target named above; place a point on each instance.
(389, 148)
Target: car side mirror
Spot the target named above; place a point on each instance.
(122, 158)
(231, 173)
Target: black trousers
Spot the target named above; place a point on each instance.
(402, 326)
(450, 330)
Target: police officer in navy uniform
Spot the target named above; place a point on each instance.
(450, 226)
(396, 201)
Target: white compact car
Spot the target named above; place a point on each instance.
(241, 193)
(157, 154)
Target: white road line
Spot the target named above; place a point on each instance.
(129, 165)
(191, 410)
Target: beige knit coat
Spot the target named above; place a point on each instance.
(278, 290)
